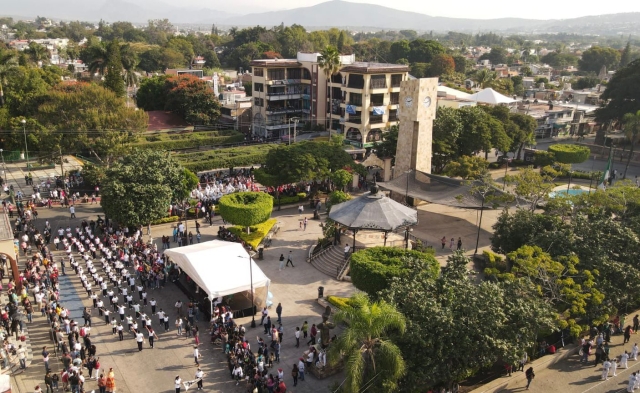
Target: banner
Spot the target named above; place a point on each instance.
(351, 109)
(188, 384)
(378, 110)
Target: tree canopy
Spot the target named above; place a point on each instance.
(596, 57)
(622, 93)
(139, 188)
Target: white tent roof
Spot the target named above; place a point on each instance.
(490, 96)
(453, 92)
(220, 268)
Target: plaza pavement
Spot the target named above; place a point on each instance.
(153, 370)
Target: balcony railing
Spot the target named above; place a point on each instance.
(377, 103)
(378, 84)
(356, 85)
(375, 119)
(394, 102)
(393, 118)
(354, 103)
(355, 120)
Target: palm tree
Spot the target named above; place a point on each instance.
(631, 129)
(97, 58)
(129, 64)
(37, 52)
(368, 355)
(8, 65)
(330, 63)
(484, 77)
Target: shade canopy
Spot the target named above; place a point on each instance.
(373, 210)
(453, 92)
(220, 268)
(490, 96)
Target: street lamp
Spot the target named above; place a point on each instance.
(569, 185)
(26, 147)
(253, 311)
(407, 230)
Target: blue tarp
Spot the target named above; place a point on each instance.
(351, 109)
(378, 110)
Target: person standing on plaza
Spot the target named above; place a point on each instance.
(614, 367)
(102, 381)
(281, 262)
(301, 369)
(178, 307)
(177, 383)
(110, 384)
(267, 325)
(530, 375)
(632, 383)
(636, 323)
(179, 326)
(443, 241)
(72, 210)
(624, 359)
(279, 312)
(199, 376)
(265, 312)
(605, 370)
(459, 243)
(451, 243)
(347, 248)
(294, 374)
(152, 336)
(289, 260)
(314, 333)
(297, 334)
(634, 352)
(196, 355)
(139, 340)
(305, 329)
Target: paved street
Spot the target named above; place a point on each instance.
(14, 174)
(153, 370)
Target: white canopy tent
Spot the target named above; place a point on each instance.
(453, 92)
(490, 96)
(221, 268)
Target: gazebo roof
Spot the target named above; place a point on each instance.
(375, 211)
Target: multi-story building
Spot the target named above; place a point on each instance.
(366, 100)
(365, 97)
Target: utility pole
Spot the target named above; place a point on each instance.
(61, 162)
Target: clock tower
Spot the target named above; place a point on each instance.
(417, 110)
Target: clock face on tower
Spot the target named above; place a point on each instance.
(408, 102)
(427, 102)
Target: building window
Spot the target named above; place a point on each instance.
(258, 71)
(355, 99)
(395, 80)
(378, 82)
(394, 99)
(276, 74)
(258, 101)
(258, 87)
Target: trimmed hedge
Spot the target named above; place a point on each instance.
(285, 200)
(258, 232)
(570, 154)
(373, 268)
(224, 162)
(190, 143)
(246, 208)
(165, 220)
(340, 302)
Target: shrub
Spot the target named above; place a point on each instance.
(257, 232)
(337, 197)
(543, 158)
(495, 264)
(165, 220)
(339, 302)
(224, 162)
(246, 208)
(285, 200)
(190, 143)
(569, 154)
(373, 268)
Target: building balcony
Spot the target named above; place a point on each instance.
(376, 120)
(377, 103)
(280, 111)
(283, 81)
(283, 96)
(393, 118)
(378, 84)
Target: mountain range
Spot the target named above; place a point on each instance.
(336, 13)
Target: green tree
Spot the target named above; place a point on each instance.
(443, 313)
(420, 70)
(467, 167)
(113, 79)
(152, 94)
(8, 64)
(95, 55)
(37, 52)
(622, 94)
(365, 347)
(586, 82)
(399, 50)
(101, 121)
(531, 187)
(631, 130)
(442, 64)
(594, 58)
(484, 77)
(447, 128)
(133, 197)
(192, 98)
(151, 59)
(329, 61)
(387, 148)
(341, 178)
(460, 63)
(246, 208)
(337, 197)
(498, 55)
(423, 51)
(625, 56)
(559, 59)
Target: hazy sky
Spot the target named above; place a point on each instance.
(476, 9)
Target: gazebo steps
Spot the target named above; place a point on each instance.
(330, 261)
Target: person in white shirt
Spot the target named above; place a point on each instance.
(177, 383)
(237, 373)
(139, 340)
(199, 376)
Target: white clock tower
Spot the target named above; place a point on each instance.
(418, 101)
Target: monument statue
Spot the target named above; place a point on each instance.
(325, 328)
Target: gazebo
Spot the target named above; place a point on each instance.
(373, 211)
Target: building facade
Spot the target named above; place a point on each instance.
(365, 101)
(288, 91)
